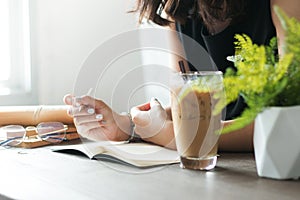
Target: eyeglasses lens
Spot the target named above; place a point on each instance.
(53, 132)
(12, 135)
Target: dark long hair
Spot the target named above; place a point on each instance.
(179, 10)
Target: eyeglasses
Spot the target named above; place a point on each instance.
(52, 132)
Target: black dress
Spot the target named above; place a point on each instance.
(257, 23)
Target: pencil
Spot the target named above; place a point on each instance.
(89, 92)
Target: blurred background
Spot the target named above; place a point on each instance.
(56, 37)
(44, 44)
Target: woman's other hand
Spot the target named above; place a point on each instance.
(153, 124)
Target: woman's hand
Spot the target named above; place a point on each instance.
(97, 121)
(153, 124)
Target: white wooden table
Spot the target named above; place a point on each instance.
(43, 174)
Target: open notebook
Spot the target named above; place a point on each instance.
(136, 154)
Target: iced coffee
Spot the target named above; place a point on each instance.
(195, 125)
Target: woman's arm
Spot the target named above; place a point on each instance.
(292, 9)
(237, 141)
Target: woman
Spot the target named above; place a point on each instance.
(213, 24)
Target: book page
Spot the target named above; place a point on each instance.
(136, 154)
(88, 148)
(142, 154)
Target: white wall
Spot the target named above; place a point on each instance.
(64, 32)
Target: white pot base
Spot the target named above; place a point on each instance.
(277, 143)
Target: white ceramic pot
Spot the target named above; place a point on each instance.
(277, 143)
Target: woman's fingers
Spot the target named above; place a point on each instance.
(140, 114)
(149, 118)
(68, 99)
(88, 118)
(89, 101)
(144, 107)
(143, 115)
(158, 112)
(154, 102)
(84, 128)
(92, 131)
(81, 111)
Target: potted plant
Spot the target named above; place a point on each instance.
(271, 88)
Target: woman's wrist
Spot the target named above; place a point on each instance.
(127, 128)
(133, 137)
